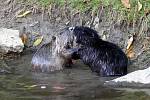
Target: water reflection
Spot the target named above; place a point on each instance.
(78, 83)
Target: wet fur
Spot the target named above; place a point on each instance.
(53, 55)
(103, 57)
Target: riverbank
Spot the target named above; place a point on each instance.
(37, 21)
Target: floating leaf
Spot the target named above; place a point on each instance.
(38, 41)
(126, 3)
(24, 14)
(32, 86)
(139, 6)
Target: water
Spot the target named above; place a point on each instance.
(77, 83)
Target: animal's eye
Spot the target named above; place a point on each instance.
(53, 37)
(60, 33)
(71, 28)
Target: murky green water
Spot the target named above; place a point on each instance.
(77, 83)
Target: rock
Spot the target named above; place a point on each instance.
(139, 76)
(10, 41)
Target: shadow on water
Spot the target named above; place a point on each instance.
(77, 83)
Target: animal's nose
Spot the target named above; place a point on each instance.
(71, 28)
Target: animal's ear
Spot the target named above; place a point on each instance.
(91, 33)
(88, 34)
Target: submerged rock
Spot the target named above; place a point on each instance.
(10, 41)
(136, 77)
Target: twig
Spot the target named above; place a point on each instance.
(43, 13)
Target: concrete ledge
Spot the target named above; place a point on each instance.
(10, 41)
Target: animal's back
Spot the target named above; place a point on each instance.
(106, 58)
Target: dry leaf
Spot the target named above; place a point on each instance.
(36, 33)
(147, 11)
(139, 6)
(130, 42)
(146, 44)
(126, 3)
(38, 41)
(131, 55)
(129, 50)
(24, 14)
(24, 38)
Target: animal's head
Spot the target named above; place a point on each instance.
(84, 35)
(66, 39)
